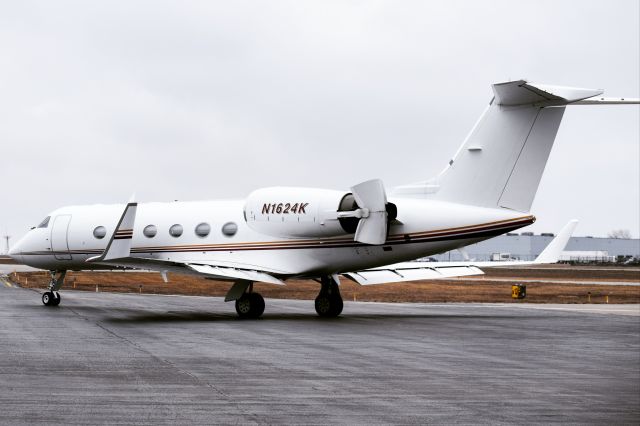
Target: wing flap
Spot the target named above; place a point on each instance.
(207, 270)
(232, 273)
(410, 272)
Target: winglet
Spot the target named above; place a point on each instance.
(551, 254)
(120, 243)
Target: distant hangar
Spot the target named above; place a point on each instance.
(526, 246)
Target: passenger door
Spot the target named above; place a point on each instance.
(59, 241)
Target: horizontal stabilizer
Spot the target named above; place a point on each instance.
(608, 101)
(521, 92)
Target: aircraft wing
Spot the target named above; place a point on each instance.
(413, 271)
(206, 269)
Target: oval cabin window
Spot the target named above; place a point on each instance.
(203, 229)
(150, 231)
(229, 229)
(175, 230)
(100, 232)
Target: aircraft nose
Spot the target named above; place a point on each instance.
(14, 251)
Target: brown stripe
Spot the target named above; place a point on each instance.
(304, 244)
(473, 231)
(342, 241)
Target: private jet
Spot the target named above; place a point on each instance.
(280, 233)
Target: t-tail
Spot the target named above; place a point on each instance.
(501, 161)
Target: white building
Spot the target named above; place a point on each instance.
(527, 246)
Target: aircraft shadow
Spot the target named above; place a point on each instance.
(189, 316)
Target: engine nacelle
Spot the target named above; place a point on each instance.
(300, 212)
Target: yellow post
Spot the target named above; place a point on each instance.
(607, 298)
(96, 288)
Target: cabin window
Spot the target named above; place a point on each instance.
(150, 231)
(229, 229)
(203, 229)
(45, 222)
(175, 230)
(100, 232)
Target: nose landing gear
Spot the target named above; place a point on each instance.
(52, 297)
(329, 301)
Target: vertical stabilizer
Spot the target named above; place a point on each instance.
(500, 164)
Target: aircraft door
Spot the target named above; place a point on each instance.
(59, 233)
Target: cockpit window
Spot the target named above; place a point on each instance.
(45, 222)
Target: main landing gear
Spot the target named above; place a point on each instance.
(51, 297)
(329, 301)
(248, 303)
(251, 305)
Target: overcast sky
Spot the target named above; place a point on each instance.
(203, 100)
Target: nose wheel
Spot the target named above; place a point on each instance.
(51, 298)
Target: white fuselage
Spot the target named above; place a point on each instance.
(424, 227)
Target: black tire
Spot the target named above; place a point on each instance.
(57, 299)
(328, 306)
(250, 305)
(48, 298)
(243, 306)
(338, 305)
(257, 305)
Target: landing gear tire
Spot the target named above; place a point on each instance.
(51, 298)
(329, 302)
(250, 305)
(338, 305)
(329, 306)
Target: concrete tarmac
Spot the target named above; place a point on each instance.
(118, 358)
